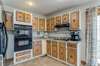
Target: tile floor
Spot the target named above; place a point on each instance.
(43, 61)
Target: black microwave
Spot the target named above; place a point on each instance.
(22, 37)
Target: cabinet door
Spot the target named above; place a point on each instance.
(35, 23)
(62, 51)
(27, 18)
(54, 49)
(58, 20)
(98, 11)
(52, 24)
(37, 48)
(65, 18)
(41, 24)
(72, 54)
(20, 16)
(48, 47)
(74, 25)
(9, 20)
(48, 25)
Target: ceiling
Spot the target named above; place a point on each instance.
(43, 7)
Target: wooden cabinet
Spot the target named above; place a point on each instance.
(59, 50)
(52, 25)
(9, 20)
(65, 18)
(48, 25)
(20, 16)
(27, 17)
(23, 17)
(62, 51)
(98, 11)
(41, 24)
(72, 53)
(58, 20)
(37, 48)
(74, 18)
(54, 49)
(48, 47)
(35, 23)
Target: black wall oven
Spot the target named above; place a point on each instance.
(22, 37)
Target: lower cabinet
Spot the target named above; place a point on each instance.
(37, 48)
(54, 49)
(48, 47)
(62, 51)
(72, 53)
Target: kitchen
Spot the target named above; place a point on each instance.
(35, 33)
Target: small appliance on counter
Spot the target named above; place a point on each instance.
(75, 35)
(23, 37)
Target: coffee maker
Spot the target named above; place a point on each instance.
(75, 35)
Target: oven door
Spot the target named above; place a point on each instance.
(22, 43)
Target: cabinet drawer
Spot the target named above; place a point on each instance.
(20, 16)
(27, 18)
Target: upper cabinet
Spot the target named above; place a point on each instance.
(9, 20)
(42, 24)
(35, 23)
(22, 17)
(58, 20)
(38, 24)
(98, 11)
(65, 18)
(74, 21)
(72, 18)
(48, 25)
(27, 18)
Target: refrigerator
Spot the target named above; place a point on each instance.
(3, 38)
